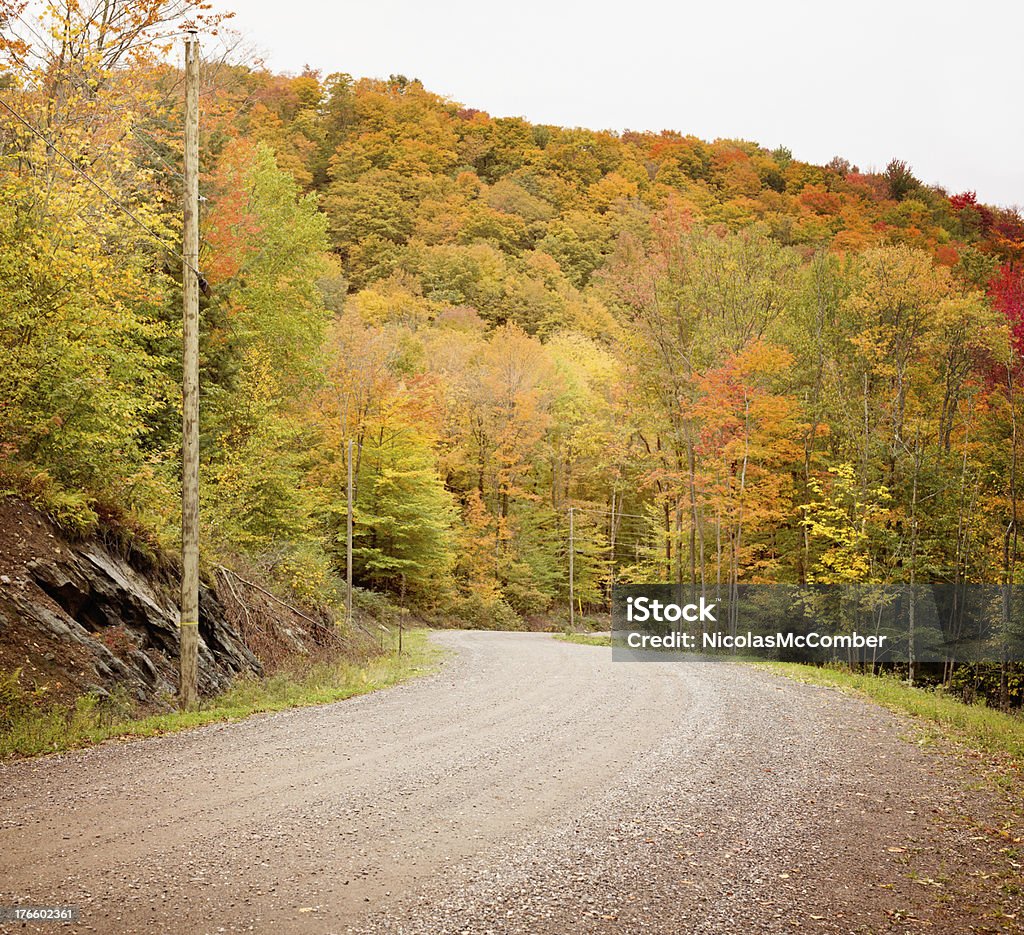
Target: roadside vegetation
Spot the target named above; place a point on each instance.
(29, 728)
(585, 639)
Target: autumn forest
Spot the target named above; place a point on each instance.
(732, 365)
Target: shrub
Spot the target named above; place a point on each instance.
(478, 612)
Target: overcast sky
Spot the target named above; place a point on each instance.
(935, 83)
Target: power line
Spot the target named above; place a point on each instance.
(82, 87)
(46, 43)
(137, 133)
(85, 175)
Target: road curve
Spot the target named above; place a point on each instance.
(531, 786)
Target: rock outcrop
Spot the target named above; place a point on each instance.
(78, 617)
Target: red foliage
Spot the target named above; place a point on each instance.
(232, 231)
(1006, 290)
(726, 154)
(963, 200)
(666, 145)
(871, 186)
(819, 200)
(970, 200)
(1009, 226)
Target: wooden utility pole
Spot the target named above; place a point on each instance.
(189, 620)
(348, 553)
(572, 572)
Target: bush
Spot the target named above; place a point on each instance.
(982, 682)
(374, 605)
(477, 612)
(307, 573)
(525, 600)
(71, 510)
(29, 726)
(15, 702)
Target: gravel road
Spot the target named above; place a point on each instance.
(531, 786)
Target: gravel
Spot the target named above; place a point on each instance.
(531, 786)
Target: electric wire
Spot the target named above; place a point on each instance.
(88, 178)
(85, 175)
(81, 87)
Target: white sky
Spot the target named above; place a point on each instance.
(938, 84)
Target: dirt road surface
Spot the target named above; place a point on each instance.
(530, 786)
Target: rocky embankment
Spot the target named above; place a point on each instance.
(83, 617)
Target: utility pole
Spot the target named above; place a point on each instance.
(572, 572)
(348, 559)
(189, 620)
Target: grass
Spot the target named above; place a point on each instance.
(975, 725)
(585, 639)
(29, 730)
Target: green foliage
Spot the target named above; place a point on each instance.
(80, 383)
(72, 511)
(900, 179)
(271, 252)
(476, 611)
(984, 683)
(253, 496)
(585, 639)
(404, 521)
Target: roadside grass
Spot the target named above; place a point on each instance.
(29, 730)
(585, 639)
(975, 725)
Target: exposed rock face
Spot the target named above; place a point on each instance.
(80, 618)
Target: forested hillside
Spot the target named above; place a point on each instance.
(736, 366)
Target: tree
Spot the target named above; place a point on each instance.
(900, 179)
(404, 517)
